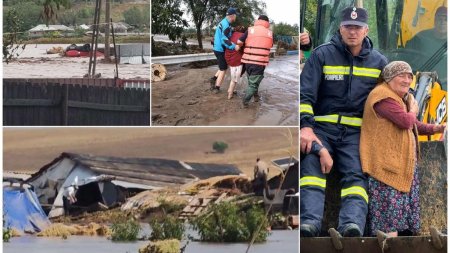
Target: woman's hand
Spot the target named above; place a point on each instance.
(412, 104)
(439, 128)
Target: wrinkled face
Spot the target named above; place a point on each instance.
(353, 35)
(440, 25)
(400, 84)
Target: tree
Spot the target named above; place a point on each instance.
(27, 12)
(11, 41)
(220, 146)
(285, 29)
(212, 11)
(248, 10)
(50, 8)
(310, 17)
(167, 18)
(133, 16)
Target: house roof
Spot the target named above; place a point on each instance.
(43, 27)
(148, 171)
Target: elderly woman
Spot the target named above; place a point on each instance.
(388, 151)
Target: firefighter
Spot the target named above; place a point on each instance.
(334, 84)
(258, 41)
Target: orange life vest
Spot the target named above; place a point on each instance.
(258, 44)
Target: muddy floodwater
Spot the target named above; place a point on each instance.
(34, 62)
(278, 241)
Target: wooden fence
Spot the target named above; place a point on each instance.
(110, 82)
(55, 104)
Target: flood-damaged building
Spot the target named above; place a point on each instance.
(281, 191)
(104, 182)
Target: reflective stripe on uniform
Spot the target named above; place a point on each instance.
(313, 181)
(334, 118)
(375, 73)
(336, 70)
(355, 190)
(306, 108)
(345, 70)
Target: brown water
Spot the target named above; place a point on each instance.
(34, 62)
(278, 241)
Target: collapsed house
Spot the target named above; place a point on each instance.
(21, 209)
(286, 198)
(104, 182)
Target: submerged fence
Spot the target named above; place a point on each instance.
(34, 103)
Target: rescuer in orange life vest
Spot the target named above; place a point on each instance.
(258, 40)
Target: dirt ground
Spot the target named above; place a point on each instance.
(184, 98)
(28, 149)
(34, 62)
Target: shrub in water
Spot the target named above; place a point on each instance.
(125, 230)
(167, 228)
(224, 222)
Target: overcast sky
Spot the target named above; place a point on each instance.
(286, 11)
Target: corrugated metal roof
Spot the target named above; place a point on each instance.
(153, 172)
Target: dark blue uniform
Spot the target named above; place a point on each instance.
(334, 86)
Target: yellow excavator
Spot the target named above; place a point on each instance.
(393, 26)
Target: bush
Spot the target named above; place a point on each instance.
(168, 228)
(125, 230)
(220, 146)
(224, 222)
(7, 234)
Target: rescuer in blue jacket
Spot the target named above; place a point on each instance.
(222, 41)
(334, 86)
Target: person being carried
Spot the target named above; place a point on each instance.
(233, 58)
(389, 152)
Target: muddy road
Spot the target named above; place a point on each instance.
(184, 98)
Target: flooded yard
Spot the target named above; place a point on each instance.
(34, 62)
(279, 241)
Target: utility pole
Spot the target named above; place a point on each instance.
(94, 41)
(108, 25)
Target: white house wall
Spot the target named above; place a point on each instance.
(56, 174)
(79, 171)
